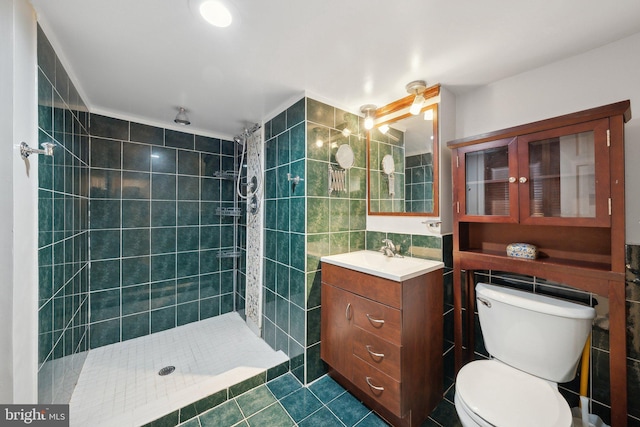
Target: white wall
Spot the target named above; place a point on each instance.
(18, 205)
(6, 214)
(602, 76)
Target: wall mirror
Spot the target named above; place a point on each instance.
(410, 187)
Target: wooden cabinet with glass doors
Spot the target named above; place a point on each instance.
(553, 177)
(557, 184)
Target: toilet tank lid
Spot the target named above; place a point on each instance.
(535, 302)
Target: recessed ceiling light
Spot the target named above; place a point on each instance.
(215, 13)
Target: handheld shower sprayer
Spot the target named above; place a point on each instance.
(242, 139)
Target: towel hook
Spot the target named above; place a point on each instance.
(25, 150)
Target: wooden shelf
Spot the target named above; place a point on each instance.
(588, 276)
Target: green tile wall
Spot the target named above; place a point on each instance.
(283, 305)
(63, 246)
(155, 233)
(336, 221)
(418, 184)
(304, 222)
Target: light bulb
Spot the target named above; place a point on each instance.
(368, 122)
(369, 111)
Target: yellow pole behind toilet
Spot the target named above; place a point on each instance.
(584, 370)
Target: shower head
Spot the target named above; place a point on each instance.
(246, 133)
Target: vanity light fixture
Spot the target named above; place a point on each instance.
(369, 111)
(215, 13)
(417, 88)
(181, 117)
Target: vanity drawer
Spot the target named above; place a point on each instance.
(377, 385)
(377, 352)
(379, 289)
(378, 319)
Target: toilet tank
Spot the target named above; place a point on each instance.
(541, 335)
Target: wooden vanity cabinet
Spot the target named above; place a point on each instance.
(382, 340)
(557, 184)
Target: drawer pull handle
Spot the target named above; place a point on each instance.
(347, 312)
(372, 320)
(368, 379)
(380, 355)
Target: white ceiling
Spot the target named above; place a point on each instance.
(141, 59)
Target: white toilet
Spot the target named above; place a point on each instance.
(536, 342)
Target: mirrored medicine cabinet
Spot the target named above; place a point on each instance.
(403, 158)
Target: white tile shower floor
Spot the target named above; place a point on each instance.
(119, 384)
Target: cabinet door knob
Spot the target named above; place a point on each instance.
(372, 320)
(522, 180)
(512, 179)
(347, 312)
(380, 355)
(368, 379)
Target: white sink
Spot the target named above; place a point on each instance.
(378, 264)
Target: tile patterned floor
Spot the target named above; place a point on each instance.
(285, 402)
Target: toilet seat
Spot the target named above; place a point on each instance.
(499, 395)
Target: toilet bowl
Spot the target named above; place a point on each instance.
(535, 342)
(490, 393)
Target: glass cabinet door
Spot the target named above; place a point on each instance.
(558, 174)
(488, 178)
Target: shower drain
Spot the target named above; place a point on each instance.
(166, 370)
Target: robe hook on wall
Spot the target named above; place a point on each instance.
(25, 150)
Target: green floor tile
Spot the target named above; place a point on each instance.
(284, 385)
(323, 418)
(326, 389)
(255, 400)
(226, 414)
(274, 415)
(348, 409)
(301, 404)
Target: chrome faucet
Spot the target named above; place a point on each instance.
(389, 249)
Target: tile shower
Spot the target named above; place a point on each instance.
(145, 200)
